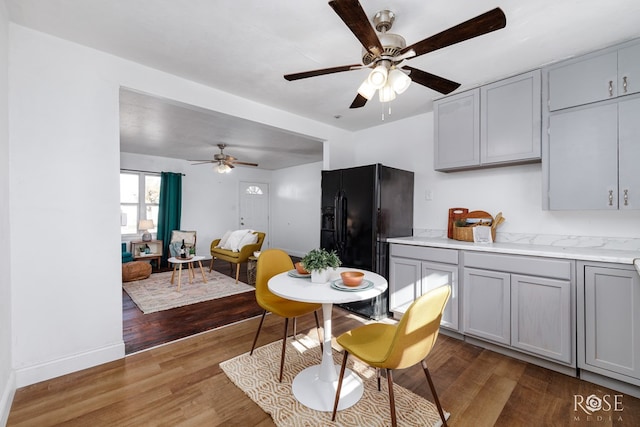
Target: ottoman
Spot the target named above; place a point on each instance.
(135, 270)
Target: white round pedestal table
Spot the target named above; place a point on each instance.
(315, 387)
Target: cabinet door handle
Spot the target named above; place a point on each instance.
(610, 197)
(610, 87)
(626, 197)
(624, 84)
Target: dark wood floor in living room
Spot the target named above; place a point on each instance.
(142, 331)
(181, 383)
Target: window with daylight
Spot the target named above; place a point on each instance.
(253, 189)
(139, 199)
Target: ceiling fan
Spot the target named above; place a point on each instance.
(224, 161)
(385, 53)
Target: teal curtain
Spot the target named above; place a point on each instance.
(170, 209)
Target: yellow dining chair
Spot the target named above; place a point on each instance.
(272, 262)
(385, 346)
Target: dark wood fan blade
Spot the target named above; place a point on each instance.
(352, 14)
(474, 27)
(200, 162)
(320, 72)
(358, 102)
(241, 163)
(439, 84)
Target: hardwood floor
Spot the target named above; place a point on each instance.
(180, 383)
(141, 331)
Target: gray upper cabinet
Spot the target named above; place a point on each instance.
(629, 69)
(510, 120)
(595, 77)
(591, 131)
(583, 158)
(629, 154)
(582, 81)
(594, 155)
(457, 131)
(496, 124)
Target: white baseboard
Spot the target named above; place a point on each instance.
(77, 362)
(7, 398)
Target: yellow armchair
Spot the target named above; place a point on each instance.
(236, 258)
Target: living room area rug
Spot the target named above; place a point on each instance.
(156, 293)
(257, 377)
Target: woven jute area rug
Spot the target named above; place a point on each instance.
(157, 293)
(257, 376)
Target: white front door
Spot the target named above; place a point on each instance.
(254, 207)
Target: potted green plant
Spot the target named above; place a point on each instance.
(319, 262)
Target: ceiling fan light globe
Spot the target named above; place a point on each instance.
(222, 168)
(378, 77)
(399, 81)
(386, 94)
(366, 90)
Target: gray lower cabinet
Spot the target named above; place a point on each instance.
(609, 321)
(541, 321)
(487, 305)
(509, 302)
(414, 271)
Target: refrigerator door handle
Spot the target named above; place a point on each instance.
(338, 220)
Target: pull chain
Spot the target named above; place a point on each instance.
(389, 109)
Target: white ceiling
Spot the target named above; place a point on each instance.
(245, 46)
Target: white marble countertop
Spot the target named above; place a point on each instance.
(567, 248)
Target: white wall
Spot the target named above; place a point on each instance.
(63, 113)
(64, 193)
(514, 190)
(295, 208)
(7, 380)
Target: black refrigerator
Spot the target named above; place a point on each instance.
(362, 207)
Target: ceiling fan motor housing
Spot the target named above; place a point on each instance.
(392, 43)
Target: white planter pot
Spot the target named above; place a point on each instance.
(320, 276)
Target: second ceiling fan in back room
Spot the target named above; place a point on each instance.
(224, 162)
(385, 53)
